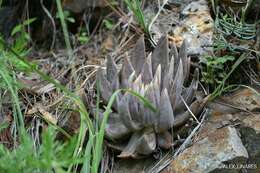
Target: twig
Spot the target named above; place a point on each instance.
(189, 110)
(52, 22)
(158, 13)
(188, 139)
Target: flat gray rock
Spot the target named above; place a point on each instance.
(209, 153)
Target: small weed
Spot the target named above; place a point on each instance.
(222, 85)
(83, 38)
(20, 45)
(9, 65)
(108, 24)
(214, 68)
(67, 17)
(51, 156)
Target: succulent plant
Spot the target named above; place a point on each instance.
(160, 78)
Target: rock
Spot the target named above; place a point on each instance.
(197, 28)
(242, 99)
(251, 141)
(229, 141)
(246, 98)
(166, 20)
(247, 125)
(209, 153)
(192, 22)
(253, 121)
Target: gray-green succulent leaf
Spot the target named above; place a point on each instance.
(160, 77)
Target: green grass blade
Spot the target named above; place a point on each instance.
(18, 116)
(64, 28)
(85, 119)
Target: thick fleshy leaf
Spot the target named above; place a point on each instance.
(188, 94)
(183, 56)
(125, 116)
(130, 149)
(147, 143)
(105, 87)
(136, 85)
(126, 71)
(139, 144)
(195, 108)
(138, 55)
(168, 77)
(117, 146)
(160, 55)
(173, 52)
(131, 79)
(177, 61)
(188, 68)
(152, 93)
(146, 73)
(148, 116)
(142, 90)
(177, 85)
(165, 140)
(157, 83)
(115, 86)
(165, 118)
(115, 129)
(134, 108)
(111, 69)
(115, 83)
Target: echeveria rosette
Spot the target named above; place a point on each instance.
(160, 78)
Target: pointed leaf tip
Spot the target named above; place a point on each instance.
(160, 54)
(138, 55)
(111, 69)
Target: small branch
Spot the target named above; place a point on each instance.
(52, 22)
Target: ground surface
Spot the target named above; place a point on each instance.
(223, 45)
